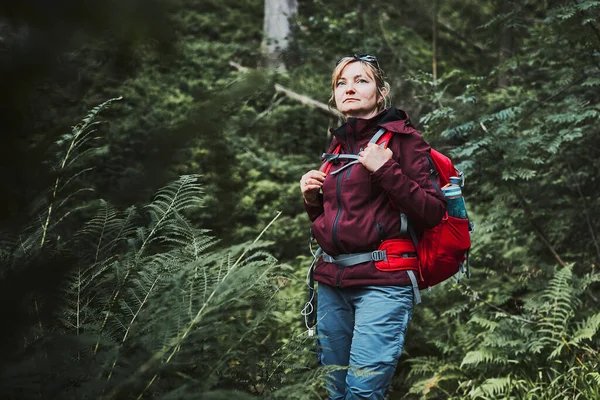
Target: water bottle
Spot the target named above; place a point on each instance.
(455, 201)
(455, 180)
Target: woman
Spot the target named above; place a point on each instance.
(363, 309)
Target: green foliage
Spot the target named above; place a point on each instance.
(537, 350)
(121, 281)
(526, 148)
(148, 305)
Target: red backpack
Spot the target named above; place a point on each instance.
(442, 251)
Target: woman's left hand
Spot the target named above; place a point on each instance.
(374, 156)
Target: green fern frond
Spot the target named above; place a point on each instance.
(483, 356)
(456, 310)
(593, 81)
(557, 309)
(188, 239)
(561, 13)
(93, 114)
(518, 173)
(105, 232)
(587, 330)
(492, 388)
(587, 5)
(423, 365)
(170, 200)
(424, 386)
(595, 377)
(488, 325)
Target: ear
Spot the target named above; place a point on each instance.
(383, 91)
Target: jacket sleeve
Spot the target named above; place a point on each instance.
(407, 181)
(314, 210)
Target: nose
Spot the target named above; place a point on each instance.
(350, 88)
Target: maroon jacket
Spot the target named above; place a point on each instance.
(356, 212)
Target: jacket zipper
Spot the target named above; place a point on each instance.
(380, 231)
(336, 243)
(351, 145)
(338, 196)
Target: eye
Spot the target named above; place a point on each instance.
(339, 83)
(360, 80)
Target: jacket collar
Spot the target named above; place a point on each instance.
(392, 119)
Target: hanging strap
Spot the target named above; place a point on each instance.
(404, 227)
(415, 285)
(415, 240)
(310, 316)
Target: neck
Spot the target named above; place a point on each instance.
(368, 115)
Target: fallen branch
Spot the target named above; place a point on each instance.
(296, 96)
(307, 101)
(237, 66)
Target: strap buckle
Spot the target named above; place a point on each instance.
(378, 255)
(330, 157)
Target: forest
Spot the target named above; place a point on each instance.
(153, 239)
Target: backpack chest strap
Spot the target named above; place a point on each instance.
(333, 158)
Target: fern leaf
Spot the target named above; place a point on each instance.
(595, 376)
(591, 82)
(477, 357)
(492, 388)
(587, 5)
(587, 330)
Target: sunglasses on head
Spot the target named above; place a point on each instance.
(362, 57)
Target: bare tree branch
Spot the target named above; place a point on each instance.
(296, 96)
(307, 101)
(446, 27)
(237, 66)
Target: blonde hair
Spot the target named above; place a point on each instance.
(374, 72)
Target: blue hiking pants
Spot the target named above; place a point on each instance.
(362, 328)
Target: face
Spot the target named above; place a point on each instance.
(355, 92)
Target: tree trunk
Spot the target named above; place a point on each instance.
(276, 30)
(435, 44)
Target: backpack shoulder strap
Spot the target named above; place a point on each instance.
(327, 164)
(382, 137)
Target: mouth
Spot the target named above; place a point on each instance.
(351, 99)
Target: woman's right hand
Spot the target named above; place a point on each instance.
(310, 185)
